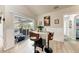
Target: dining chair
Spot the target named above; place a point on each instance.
(34, 37)
(50, 37)
(47, 48)
(38, 41)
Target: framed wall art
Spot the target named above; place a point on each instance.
(56, 21)
(47, 21)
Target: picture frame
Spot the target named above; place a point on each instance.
(47, 21)
(56, 21)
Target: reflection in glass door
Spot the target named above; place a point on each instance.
(77, 28)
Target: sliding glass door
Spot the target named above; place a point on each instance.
(77, 27)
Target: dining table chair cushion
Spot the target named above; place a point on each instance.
(32, 37)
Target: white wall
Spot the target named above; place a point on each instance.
(9, 40)
(58, 33)
(1, 34)
(8, 30)
(59, 28)
(1, 26)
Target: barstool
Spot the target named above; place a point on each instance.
(47, 48)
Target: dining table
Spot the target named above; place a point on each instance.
(42, 34)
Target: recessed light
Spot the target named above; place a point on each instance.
(56, 7)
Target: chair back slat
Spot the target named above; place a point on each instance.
(50, 36)
(34, 35)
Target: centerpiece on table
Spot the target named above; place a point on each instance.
(40, 28)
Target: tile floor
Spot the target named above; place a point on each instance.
(58, 47)
(25, 46)
(1, 44)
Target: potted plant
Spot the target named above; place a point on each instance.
(40, 27)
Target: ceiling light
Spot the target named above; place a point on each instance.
(56, 7)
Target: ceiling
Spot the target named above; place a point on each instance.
(20, 19)
(42, 9)
(33, 11)
(1, 9)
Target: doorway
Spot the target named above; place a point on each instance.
(77, 26)
(22, 26)
(71, 27)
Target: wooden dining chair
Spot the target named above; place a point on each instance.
(50, 37)
(38, 41)
(47, 48)
(34, 36)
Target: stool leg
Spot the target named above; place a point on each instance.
(34, 46)
(42, 48)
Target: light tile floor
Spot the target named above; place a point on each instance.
(1, 44)
(25, 46)
(58, 47)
